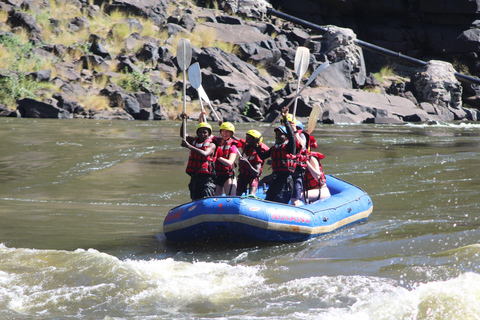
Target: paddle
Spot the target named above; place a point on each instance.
(312, 120)
(184, 57)
(195, 78)
(203, 95)
(302, 59)
(310, 80)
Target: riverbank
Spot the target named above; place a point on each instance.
(117, 60)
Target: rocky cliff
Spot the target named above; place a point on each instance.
(246, 57)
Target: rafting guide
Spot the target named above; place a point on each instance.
(283, 164)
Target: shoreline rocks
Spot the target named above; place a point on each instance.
(252, 84)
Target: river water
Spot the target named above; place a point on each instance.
(82, 204)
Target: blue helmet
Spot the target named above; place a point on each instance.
(299, 125)
(282, 128)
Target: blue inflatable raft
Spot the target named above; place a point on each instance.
(246, 219)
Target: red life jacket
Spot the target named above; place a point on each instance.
(282, 160)
(253, 158)
(311, 182)
(198, 164)
(224, 152)
(301, 158)
(312, 143)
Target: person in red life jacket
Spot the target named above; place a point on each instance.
(301, 165)
(315, 181)
(283, 165)
(250, 164)
(310, 141)
(201, 162)
(225, 160)
(225, 157)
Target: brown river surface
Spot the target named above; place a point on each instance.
(82, 204)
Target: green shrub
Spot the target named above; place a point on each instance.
(15, 86)
(135, 81)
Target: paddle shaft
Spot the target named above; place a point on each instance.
(203, 114)
(288, 105)
(184, 133)
(184, 57)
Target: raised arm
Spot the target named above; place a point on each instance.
(187, 137)
(227, 162)
(205, 153)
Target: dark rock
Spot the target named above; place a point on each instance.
(165, 56)
(7, 112)
(174, 29)
(58, 81)
(110, 90)
(254, 45)
(229, 77)
(67, 103)
(148, 103)
(151, 9)
(98, 49)
(230, 114)
(73, 88)
(229, 20)
(96, 38)
(112, 114)
(41, 76)
(128, 102)
(126, 65)
(23, 20)
(149, 52)
(78, 23)
(159, 113)
(187, 22)
(91, 61)
(30, 108)
(299, 36)
(67, 71)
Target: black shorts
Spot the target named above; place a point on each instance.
(201, 186)
(221, 179)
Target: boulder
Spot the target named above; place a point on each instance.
(97, 48)
(254, 45)
(66, 102)
(436, 84)
(348, 65)
(25, 21)
(227, 78)
(40, 76)
(148, 103)
(110, 114)
(78, 23)
(356, 106)
(30, 108)
(67, 72)
(152, 9)
(7, 112)
(149, 52)
(255, 9)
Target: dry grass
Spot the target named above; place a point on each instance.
(94, 102)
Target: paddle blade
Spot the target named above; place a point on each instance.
(312, 120)
(317, 72)
(203, 94)
(302, 59)
(195, 75)
(184, 53)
